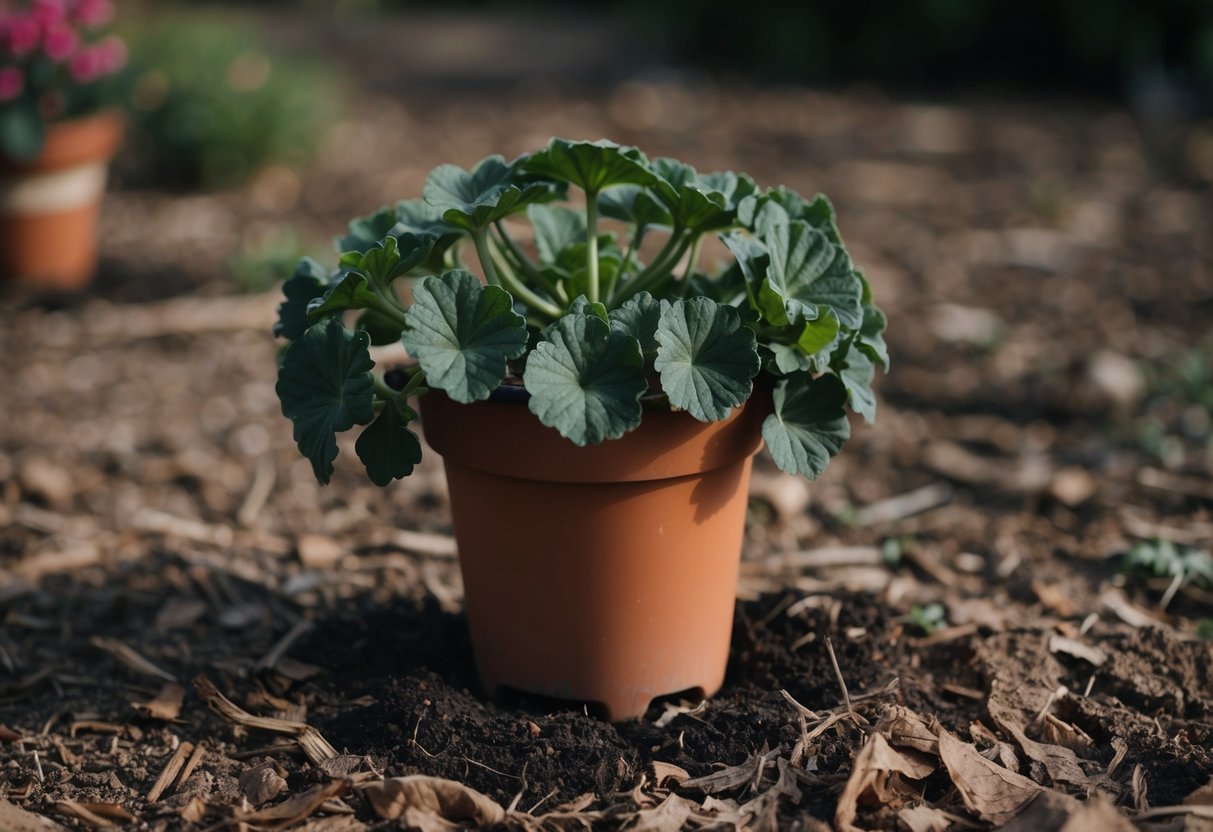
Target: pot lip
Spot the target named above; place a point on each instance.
(89, 137)
(511, 391)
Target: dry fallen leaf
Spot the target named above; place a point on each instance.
(668, 816)
(762, 813)
(166, 705)
(924, 818)
(1077, 649)
(15, 819)
(731, 777)
(663, 772)
(879, 776)
(261, 784)
(294, 809)
(993, 792)
(431, 803)
(1054, 810)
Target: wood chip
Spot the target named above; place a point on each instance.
(170, 771)
(1072, 647)
(904, 505)
(313, 744)
(15, 819)
(190, 765)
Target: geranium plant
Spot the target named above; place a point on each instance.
(53, 54)
(572, 312)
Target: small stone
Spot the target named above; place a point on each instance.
(261, 783)
(47, 481)
(1072, 486)
(1117, 377)
(318, 551)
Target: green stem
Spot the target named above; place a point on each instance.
(651, 278)
(508, 280)
(621, 278)
(382, 389)
(386, 307)
(415, 383)
(693, 257)
(518, 258)
(591, 248)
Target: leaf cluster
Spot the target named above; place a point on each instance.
(578, 310)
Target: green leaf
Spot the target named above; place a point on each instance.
(807, 272)
(556, 228)
(584, 306)
(634, 204)
(387, 448)
(591, 166)
(871, 335)
(309, 282)
(325, 387)
(352, 291)
(734, 187)
(809, 424)
(706, 358)
(365, 232)
(475, 200)
(22, 132)
(382, 329)
(856, 372)
(638, 317)
(463, 334)
(586, 380)
(819, 334)
(693, 205)
(788, 358)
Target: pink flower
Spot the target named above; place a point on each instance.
(112, 54)
(84, 65)
(12, 82)
(49, 13)
(60, 42)
(20, 36)
(93, 13)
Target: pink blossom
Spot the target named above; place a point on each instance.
(20, 35)
(93, 13)
(49, 13)
(11, 83)
(112, 54)
(60, 42)
(84, 65)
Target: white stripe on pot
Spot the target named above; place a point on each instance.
(54, 191)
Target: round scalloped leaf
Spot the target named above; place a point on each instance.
(387, 448)
(638, 317)
(809, 425)
(856, 372)
(633, 204)
(591, 166)
(309, 282)
(475, 199)
(586, 380)
(325, 387)
(808, 271)
(463, 333)
(706, 358)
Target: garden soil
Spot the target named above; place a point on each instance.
(938, 634)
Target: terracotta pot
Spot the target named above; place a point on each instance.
(49, 207)
(605, 574)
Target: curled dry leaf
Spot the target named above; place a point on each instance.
(315, 746)
(432, 803)
(1054, 810)
(880, 776)
(261, 784)
(166, 705)
(294, 809)
(733, 776)
(664, 772)
(993, 792)
(668, 816)
(924, 818)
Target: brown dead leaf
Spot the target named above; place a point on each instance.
(879, 776)
(663, 772)
(1202, 796)
(1077, 649)
(194, 811)
(432, 803)
(315, 746)
(762, 812)
(1054, 598)
(130, 657)
(1060, 762)
(15, 819)
(732, 776)
(8, 734)
(993, 792)
(924, 818)
(1000, 752)
(166, 705)
(294, 809)
(668, 816)
(1066, 735)
(1054, 810)
(179, 614)
(261, 784)
(906, 729)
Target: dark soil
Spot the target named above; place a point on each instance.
(1048, 272)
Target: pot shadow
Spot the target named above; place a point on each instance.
(715, 490)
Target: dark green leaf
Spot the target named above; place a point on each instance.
(325, 387)
(638, 317)
(809, 424)
(475, 200)
(871, 335)
(591, 166)
(365, 232)
(807, 272)
(22, 132)
(586, 380)
(382, 329)
(352, 291)
(556, 228)
(818, 334)
(584, 306)
(692, 204)
(734, 187)
(308, 283)
(634, 204)
(706, 358)
(856, 372)
(788, 358)
(463, 334)
(387, 448)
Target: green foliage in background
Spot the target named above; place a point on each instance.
(211, 101)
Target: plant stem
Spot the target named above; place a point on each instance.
(693, 257)
(415, 383)
(382, 389)
(524, 263)
(508, 280)
(591, 248)
(651, 278)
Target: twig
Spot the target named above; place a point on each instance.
(1196, 809)
(1061, 691)
(131, 658)
(169, 774)
(315, 746)
(904, 505)
(38, 767)
(846, 697)
(490, 768)
(425, 543)
(801, 709)
(264, 478)
(283, 644)
(542, 801)
(190, 765)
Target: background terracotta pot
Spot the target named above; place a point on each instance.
(604, 574)
(49, 207)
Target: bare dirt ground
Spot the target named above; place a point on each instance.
(1048, 273)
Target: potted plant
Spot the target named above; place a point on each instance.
(56, 140)
(597, 410)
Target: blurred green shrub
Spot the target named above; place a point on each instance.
(210, 102)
